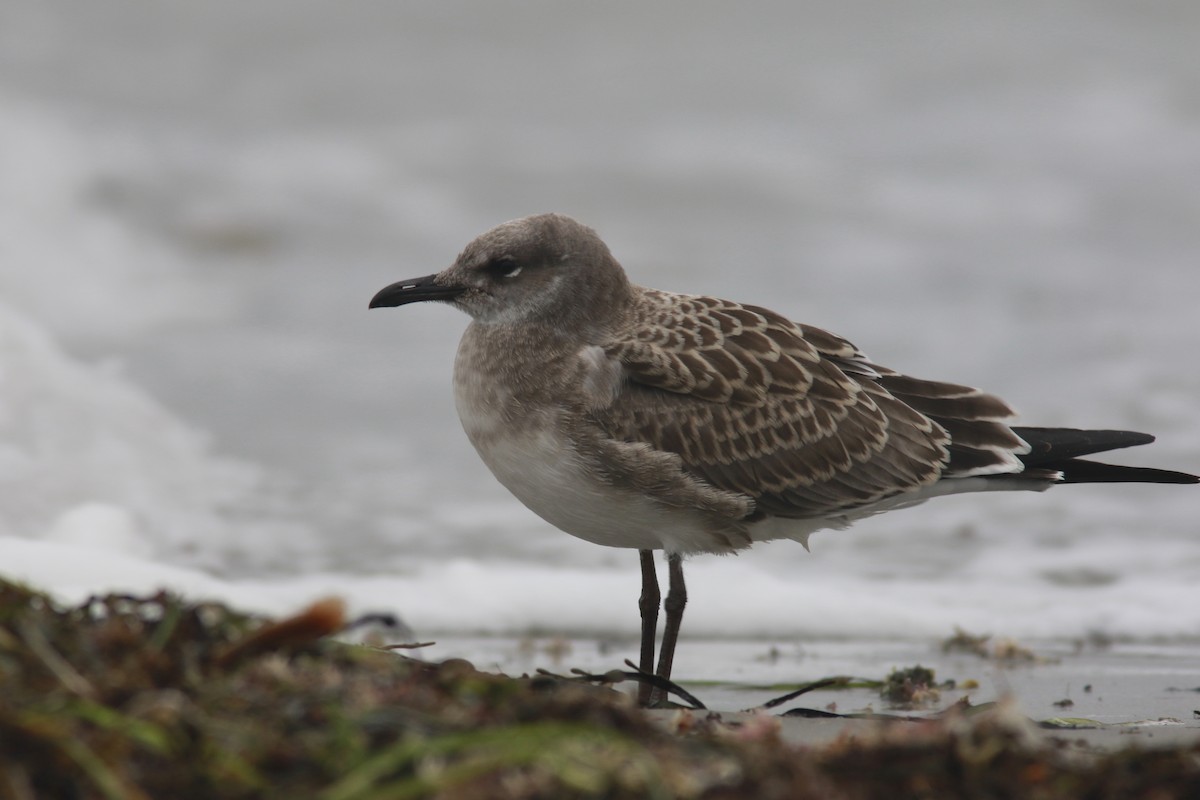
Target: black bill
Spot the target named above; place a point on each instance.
(414, 290)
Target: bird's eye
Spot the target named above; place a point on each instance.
(504, 267)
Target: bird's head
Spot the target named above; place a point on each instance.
(541, 270)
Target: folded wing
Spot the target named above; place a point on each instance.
(792, 416)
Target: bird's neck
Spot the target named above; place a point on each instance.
(517, 361)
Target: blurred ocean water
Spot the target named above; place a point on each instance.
(197, 202)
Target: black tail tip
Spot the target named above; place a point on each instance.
(1060, 450)
(1077, 470)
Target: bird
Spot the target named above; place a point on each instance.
(637, 418)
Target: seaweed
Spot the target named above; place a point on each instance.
(156, 697)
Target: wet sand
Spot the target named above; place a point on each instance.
(1115, 694)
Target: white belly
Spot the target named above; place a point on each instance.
(523, 441)
(543, 471)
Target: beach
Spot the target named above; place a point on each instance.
(1152, 690)
(199, 203)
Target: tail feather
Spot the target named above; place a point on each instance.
(1076, 470)
(1058, 449)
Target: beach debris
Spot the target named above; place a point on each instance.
(322, 618)
(912, 687)
(635, 674)
(1012, 652)
(963, 642)
(835, 682)
(132, 698)
(1007, 650)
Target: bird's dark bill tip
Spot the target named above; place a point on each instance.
(413, 290)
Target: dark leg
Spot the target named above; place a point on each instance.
(648, 605)
(676, 600)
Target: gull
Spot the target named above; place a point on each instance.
(644, 419)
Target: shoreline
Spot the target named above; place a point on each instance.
(155, 696)
(1113, 685)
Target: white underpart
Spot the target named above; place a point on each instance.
(543, 471)
(800, 529)
(540, 465)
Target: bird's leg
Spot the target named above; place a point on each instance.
(676, 600)
(648, 605)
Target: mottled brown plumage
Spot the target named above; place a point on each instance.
(792, 416)
(638, 418)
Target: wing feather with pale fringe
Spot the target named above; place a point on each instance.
(793, 416)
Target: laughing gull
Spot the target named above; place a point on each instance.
(638, 418)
